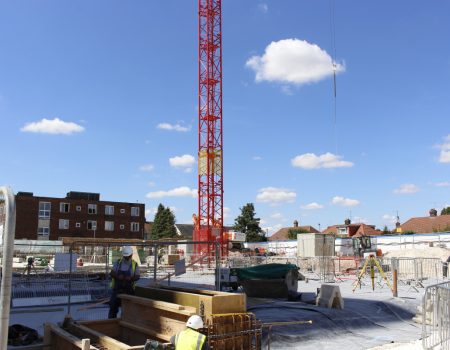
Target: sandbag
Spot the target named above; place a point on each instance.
(21, 335)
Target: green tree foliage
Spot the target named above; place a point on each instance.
(164, 223)
(386, 231)
(249, 224)
(445, 211)
(293, 232)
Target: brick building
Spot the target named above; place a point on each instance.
(79, 214)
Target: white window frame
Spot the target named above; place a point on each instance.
(63, 224)
(134, 227)
(109, 209)
(44, 212)
(109, 225)
(45, 231)
(64, 207)
(77, 225)
(92, 208)
(92, 224)
(134, 211)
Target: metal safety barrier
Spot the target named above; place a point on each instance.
(436, 317)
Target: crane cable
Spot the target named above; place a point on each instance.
(333, 57)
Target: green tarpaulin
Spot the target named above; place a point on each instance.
(268, 271)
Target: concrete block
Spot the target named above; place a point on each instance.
(330, 297)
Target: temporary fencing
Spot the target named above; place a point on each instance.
(77, 276)
(436, 317)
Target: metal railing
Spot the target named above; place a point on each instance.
(436, 317)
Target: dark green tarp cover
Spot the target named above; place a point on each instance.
(268, 271)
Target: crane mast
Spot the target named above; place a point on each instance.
(208, 225)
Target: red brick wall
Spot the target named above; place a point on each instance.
(27, 218)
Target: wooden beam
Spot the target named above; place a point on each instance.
(96, 337)
(148, 331)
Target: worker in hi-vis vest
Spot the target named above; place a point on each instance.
(190, 338)
(124, 274)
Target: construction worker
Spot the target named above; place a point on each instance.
(190, 338)
(124, 274)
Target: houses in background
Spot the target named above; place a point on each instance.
(427, 224)
(79, 214)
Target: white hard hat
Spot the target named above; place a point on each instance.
(127, 250)
(195, 322)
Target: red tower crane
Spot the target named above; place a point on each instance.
(208, 225)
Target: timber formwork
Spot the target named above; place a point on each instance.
(227, 324)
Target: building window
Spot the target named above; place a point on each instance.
(77, 224)
(43, 231)
(92, 208)
(78, 207)
(122, 211)
(109, 225)
(63, 224)
(135, 227)
(64, 207)
(134, 211)
(342, 230)
(44, 209)
(122, 227)
(92, 225)
(109, 210)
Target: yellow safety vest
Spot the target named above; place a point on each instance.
(133, 271)
(189, 340)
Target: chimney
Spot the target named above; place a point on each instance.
(433, 213)
(347, 222)
(295, 223)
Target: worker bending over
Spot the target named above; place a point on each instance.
(124, 274)
(190, 338)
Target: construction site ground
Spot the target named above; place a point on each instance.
(371, 319)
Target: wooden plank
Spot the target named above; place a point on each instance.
(108, 327)
(147, 331)
(157, 304)
(60, 339)
(96, 337)
(85, 344)
(162, 321)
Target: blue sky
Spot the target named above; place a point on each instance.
(101, 96)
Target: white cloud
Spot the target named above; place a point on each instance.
(52, 126)
(293, 61)
(264, 8)
(257, 158)
(275, 195)
(444, 155)
(185, 161)
(173, 127)
(182, 191)
(276, 216)
(326, 160)
(442, 184)
(147, 168)
(151, 184)
(407, 189)
(150, 211)
(226, 212)
(390, 219)
(312, 206)
(345, 202)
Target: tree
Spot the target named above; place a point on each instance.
(293, 232)
(445, 211)
(249, 224)
(164, 223)
(386, 231)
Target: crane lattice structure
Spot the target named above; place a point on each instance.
(209, 222)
